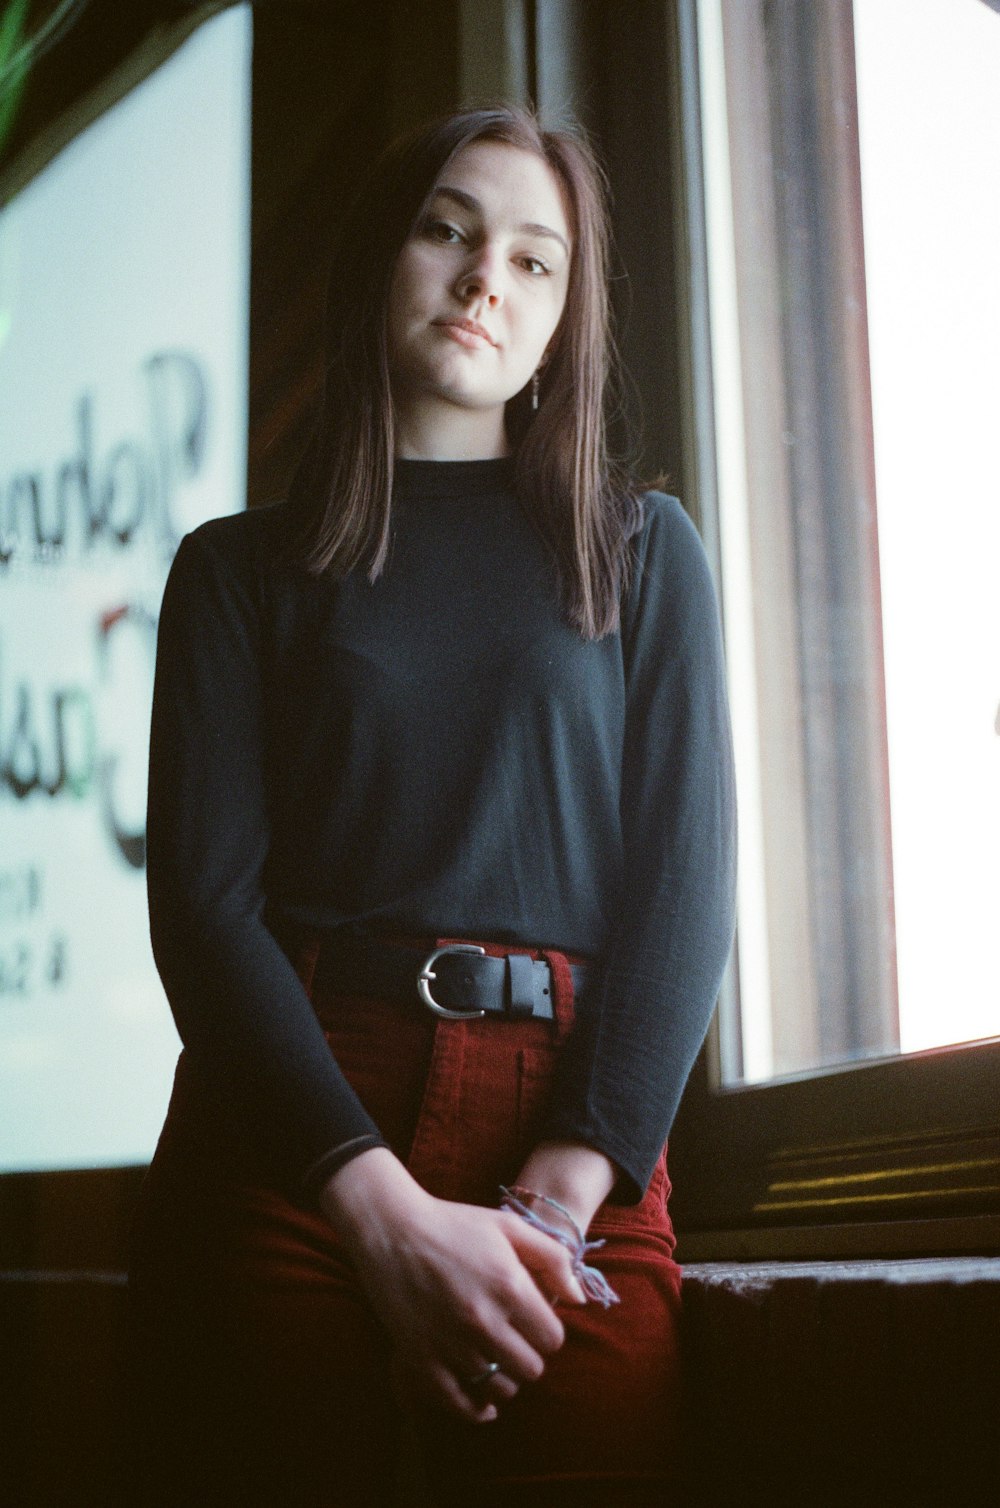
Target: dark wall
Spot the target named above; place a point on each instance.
(626, 100)
(333, 82)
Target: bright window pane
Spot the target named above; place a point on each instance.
(852, 163)
(929, 110)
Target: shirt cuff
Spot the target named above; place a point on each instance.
(634, 1174)
(324, 1167)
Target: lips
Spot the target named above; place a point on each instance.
(470, 329)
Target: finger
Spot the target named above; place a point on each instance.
(501, 1339)
(436, 1387)
(501, 1388)
(514, 1326)
(516, 1352)
(546, 1259)
(497, 1386)
(460, 1398)
(553, 1272)
(532, 1314)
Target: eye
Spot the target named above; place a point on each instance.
(535, 266)
(442, 232)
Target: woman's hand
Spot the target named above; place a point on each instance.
(456, 1286)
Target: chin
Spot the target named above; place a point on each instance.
(470, 395)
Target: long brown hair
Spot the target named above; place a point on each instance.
(581, 501)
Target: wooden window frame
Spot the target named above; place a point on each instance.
(888, 1156)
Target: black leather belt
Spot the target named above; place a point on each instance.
(458, 981)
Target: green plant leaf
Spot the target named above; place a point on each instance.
(13, 71)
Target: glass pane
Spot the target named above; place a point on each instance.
(929, 110)
(123, 374)
(853, 212)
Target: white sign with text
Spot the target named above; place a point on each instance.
(124, 271)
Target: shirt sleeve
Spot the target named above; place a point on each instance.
(242, 1012)
(625, 1064)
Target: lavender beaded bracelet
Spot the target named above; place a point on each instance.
(594, 1284)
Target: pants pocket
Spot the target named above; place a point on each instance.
(535, 1067)
(649, 1218)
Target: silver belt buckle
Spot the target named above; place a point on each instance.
(427, 974)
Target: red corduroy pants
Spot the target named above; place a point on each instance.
(261, 1373)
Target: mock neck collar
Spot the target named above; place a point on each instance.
(440, 479)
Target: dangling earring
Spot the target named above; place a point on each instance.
(534, 391)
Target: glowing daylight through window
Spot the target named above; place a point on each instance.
(123, 375)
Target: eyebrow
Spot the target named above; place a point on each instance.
(470, 202)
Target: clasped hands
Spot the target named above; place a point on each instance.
(456, 1286)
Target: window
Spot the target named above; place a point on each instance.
(846, 338)
(122, 426)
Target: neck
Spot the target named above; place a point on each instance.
(449, 433)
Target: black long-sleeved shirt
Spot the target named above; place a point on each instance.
(440, 753)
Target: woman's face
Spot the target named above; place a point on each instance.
(476, 295)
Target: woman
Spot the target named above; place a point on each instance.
(463, 687)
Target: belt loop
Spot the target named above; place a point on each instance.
(562, 992)
(520, 985)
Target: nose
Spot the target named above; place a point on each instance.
(481, 279)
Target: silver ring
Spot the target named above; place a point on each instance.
(480, 1377)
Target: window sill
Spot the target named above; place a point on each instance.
(965, 1236)
(866, 1382)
